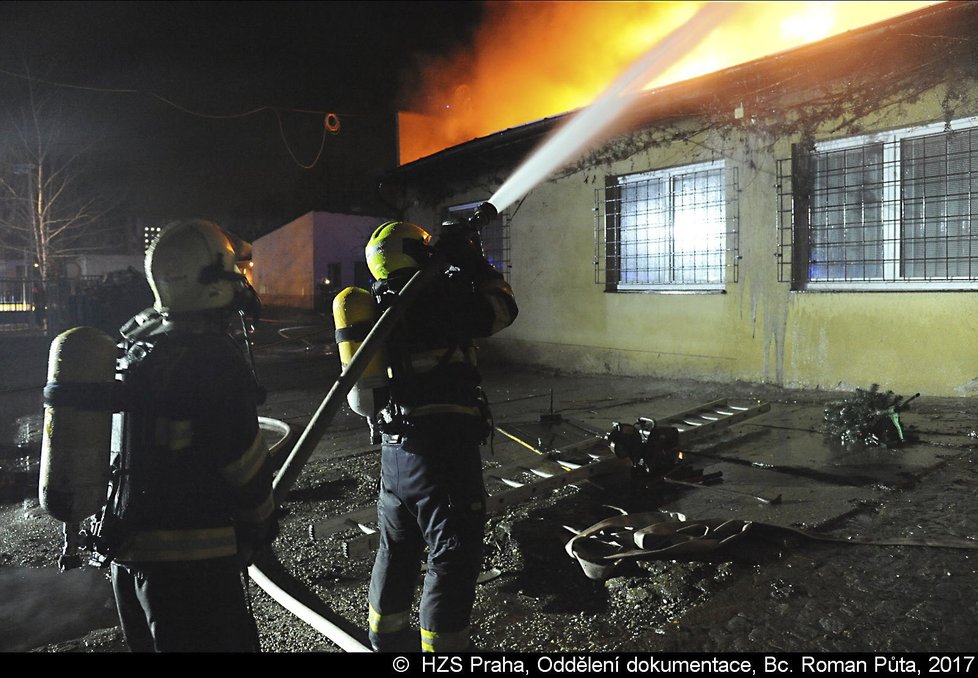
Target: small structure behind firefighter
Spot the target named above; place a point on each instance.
(422, 398)
(183, 502)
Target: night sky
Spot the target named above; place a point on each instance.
(108, 65)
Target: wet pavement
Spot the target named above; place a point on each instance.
(798, 594)
(806, 595)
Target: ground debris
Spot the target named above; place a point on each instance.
(867, 418)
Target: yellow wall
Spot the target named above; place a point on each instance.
(907, 342)
(757, 330)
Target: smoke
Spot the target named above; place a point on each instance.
(531, 60)
(590, 124)
(41, 606)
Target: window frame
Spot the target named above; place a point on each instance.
(892, 215)
(613, 245)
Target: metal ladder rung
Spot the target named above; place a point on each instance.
(582, 473)
(702, 420)
(503, 472)
(538, 469)
(351, 520)
(553, 472)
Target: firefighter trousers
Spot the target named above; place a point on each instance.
(184, 606)
(431, 495)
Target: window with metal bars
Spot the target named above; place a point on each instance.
(494, 235)
(889, 211)
(664, 230)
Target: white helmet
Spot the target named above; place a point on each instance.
(190, 267)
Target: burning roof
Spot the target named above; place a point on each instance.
(871, 55)
(533, 60)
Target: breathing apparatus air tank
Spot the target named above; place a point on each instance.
(77, 438)
(354, 314)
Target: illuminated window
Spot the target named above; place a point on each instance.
(494, 235)
(889, 211)
(665, 230)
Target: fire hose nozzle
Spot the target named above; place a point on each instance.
(484, 213)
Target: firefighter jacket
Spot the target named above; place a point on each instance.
(193, 478)
(432, 357)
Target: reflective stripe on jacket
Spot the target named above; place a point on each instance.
(173, 545)
(433, 368)
(194, 476)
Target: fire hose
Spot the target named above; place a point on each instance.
(279, 594)
(311, 436)
(321, 419)
(336, 396)
(557, 150)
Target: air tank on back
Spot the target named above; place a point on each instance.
(354, 314)
(77, 435)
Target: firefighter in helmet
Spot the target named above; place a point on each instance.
(191, 498)
(433, 419)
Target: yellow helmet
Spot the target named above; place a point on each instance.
(396, 246)
(190, 266)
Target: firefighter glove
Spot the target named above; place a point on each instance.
(461, 246)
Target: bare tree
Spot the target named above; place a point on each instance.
(46, 211)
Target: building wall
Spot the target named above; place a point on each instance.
(906, 341)
(100, 264)
(290, 261)
(283, 265)
(757, 330)
(340, 239)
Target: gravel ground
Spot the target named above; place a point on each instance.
(795, 595)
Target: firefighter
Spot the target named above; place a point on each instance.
(191, 499)
(431, 490)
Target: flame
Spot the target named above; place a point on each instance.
(531, 60)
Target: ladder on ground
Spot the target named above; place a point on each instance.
(573, 464)
(701, 421)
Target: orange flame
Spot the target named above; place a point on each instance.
(531, 60)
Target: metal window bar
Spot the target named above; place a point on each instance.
(896, 211)
(787, 222)
(939, 184)
(672, 230)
